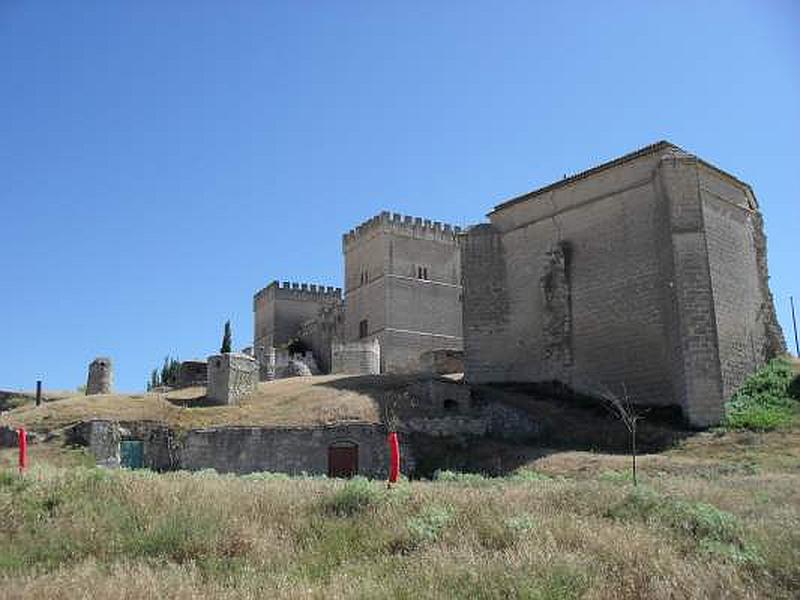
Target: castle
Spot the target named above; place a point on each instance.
(646, 276)
(401, 303)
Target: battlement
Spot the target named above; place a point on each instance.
(403, 225)
(299, 291)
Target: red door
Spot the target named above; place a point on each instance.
(343, 460)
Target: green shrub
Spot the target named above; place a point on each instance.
(522, 475)
(429, 523)
(769, 399)
(712, 530)
(457, 477)
(354, 497)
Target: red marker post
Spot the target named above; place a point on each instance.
(23, 449)
(394, 461)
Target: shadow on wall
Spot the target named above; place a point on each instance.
(564, 421)
(411, 396)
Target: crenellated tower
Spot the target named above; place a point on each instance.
(403, 287)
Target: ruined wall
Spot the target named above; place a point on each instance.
(101, 377)
(193, 372)
(356, 358)
(403, 277)
(440, 361)
(231, 377)
(322, 332)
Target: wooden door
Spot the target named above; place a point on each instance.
(343, 460)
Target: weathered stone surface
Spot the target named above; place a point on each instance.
(8, 437)
(297, 368)
(442, 360)
(402, 287)
(286, 450)
(231, 377)
(102, 437)
(646, 274)
(101, 377)
(280, 311)
(356, 358)
(193, 372)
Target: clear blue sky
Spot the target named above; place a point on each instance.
(160, 161)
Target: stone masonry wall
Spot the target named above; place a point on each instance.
(661, 294)
(602, 324)
(231, 377)
(287, 450)
(402, 277)
(356, 358)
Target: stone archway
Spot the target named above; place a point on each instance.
(343, 459)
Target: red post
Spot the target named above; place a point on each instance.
(23, 449)
(394, 463)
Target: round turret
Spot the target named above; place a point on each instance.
(101, 377)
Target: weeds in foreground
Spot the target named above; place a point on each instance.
(769, 399)
(90, 532)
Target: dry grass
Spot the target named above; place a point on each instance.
(717, 517)
(296, 401)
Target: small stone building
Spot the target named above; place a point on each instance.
(231, 377)
(646, 275)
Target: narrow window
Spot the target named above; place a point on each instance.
(363, 328)
(425, 273)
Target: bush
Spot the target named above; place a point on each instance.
(456, 477)
(429, 523)
(354, 497)
(712, 530)
(769, 399)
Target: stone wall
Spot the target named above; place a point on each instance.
(285, 450)
(641, 276)
(441, 361)
(231, 377)
(161, 445)
(356, 358)
(280, 310)
(192, 373)
(278, 363)
(322, 332)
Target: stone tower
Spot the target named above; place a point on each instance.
(281, 309)
(403, 287)
(101, 377)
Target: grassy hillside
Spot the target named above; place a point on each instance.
(717, 516)
(296, 401)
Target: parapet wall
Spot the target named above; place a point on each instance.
(356, 358)
(299, 291)
(416, 227)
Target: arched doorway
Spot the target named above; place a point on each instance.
(343, 459)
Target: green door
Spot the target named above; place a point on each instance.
(132, 454)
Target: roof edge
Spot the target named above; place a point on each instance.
(656, 147)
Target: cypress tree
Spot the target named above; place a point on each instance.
(226, 339)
